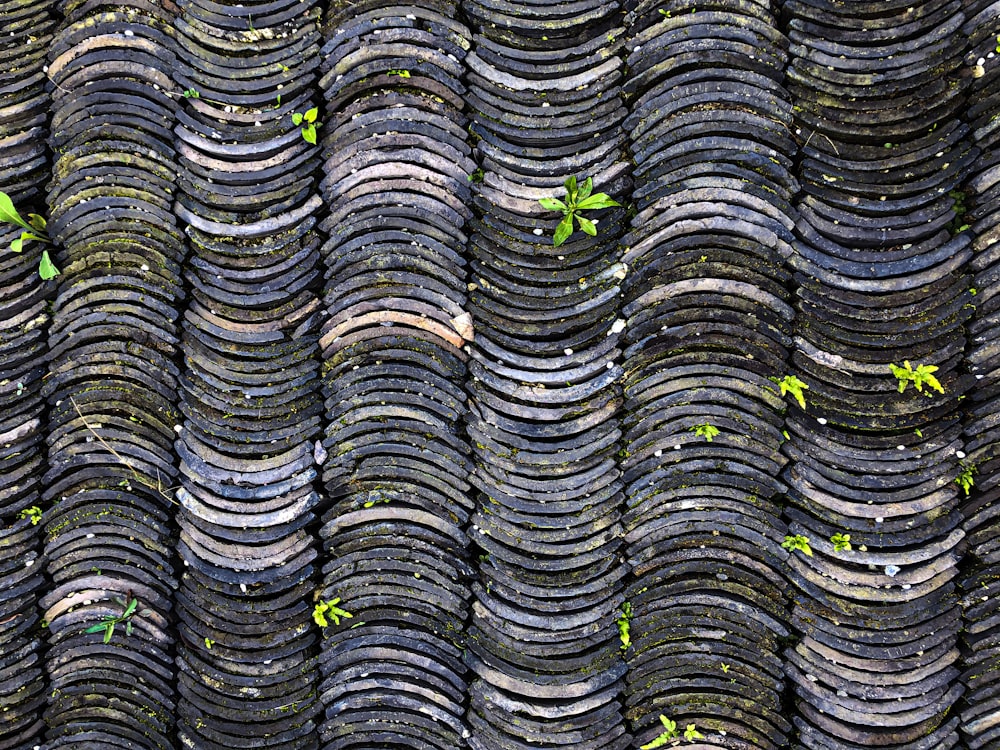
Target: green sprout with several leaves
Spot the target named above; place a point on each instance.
(706, 430)
(841, 542)
(923, 375)
(329, 609)
(798, 542)
(109, 622)
(624, 624)
(791, 384)
(34, 513)
(577, 199)
(34, 229)
(965, 478)
(671, 733)
(309, 124)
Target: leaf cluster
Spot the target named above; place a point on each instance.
(923, 375)
(797, 542)
(582, 198)
(109, 622)
(670, 733)
(841, 542)
(965, 478)
(34, 229)
(34, 513)
(791, 384)
(309, 124)
(624, 625)
(706, 430)
(330, 608)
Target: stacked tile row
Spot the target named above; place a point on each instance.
(981, 674)
(24, 164)
(707, 338)
(546, 106)
(250, 398)
(397, 563)
(111, 384)
(876, 471)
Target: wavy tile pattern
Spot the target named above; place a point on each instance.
(246, 657)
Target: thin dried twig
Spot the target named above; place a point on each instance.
(135, 474)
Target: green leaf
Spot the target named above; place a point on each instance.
(563, 231)
(309, 134)
(9, 214)
(570, 186)
(132, 605)
(586, 190)
(658, 742)
(691, 733)
(311, 114)
(296, 118)
(109, 631)
(128, 627)
(319, 614)
(37, 222)
(599, 200)
(17, 245)
(46, 268)
(553, 204)
(95, 628)
(587, 225)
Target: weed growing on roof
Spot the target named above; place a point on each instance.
(34, 513)
(965, 478)
(791, 384)
(330, 608)
(577, 200)
(798, 542)
(624, 624)
(108, 623)
(706, 430)
(34, 229)
(923, 375)
(309, 124)
(841, 542)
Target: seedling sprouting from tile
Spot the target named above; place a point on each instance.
(577, 200)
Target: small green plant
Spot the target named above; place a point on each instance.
(923, 375)
(209, 643)
(791, 384)
(34, 229)
(669, 733)
(841, 542)
(330, 608)
(798, 542)
(965, 478)
(957, 224)
(623, 625)
(691, 733)
(998, 43)
(308, 122)
(577, 200)
(108, 623)
(476, 176)
(191, 94)
(34, 513)
(400, 73)
(706, 430)
(725, 668)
